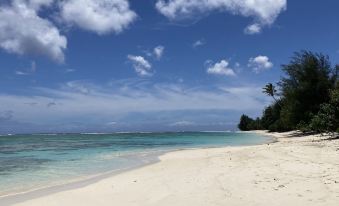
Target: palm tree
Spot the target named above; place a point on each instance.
(270, 90)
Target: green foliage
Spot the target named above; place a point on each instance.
(256, 124)
(303, 127)
(247, 123)
(277, 126)
(327, 119)
(270, 90)
(305, 87)
(270, 115)
(308, 98)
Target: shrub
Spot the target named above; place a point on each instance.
(327, 119)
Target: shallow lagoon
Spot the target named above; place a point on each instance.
(28, 162)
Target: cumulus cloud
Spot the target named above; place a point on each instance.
(141, 65)
(221, 68)
(158, 51)
(100, 16)
(260, 63)
(253, 29)
(263, 12)
(22, 31)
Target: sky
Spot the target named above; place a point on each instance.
(150, 65)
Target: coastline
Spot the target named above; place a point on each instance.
(144, 159)
(18, 197)
(212, 177)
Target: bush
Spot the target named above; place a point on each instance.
(303, 127)
(327, 119)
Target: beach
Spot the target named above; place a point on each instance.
(294, 170)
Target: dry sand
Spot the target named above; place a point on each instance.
(293, 171)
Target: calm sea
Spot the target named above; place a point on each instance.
(28, 162)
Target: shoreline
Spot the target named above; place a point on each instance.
(162, 160)
(152, 158)
(77, 183)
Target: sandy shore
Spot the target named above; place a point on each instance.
(293, 171)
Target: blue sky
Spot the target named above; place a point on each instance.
(152, 65)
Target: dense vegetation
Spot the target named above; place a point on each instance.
(307, 97)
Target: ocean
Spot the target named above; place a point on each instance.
(30, 162)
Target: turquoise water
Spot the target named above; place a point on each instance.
(33, 161)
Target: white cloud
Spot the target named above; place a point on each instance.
(260, 63)
(100, 16)
(22, 31)
(158, 51)
(263, 12)
(21, 73)
(77, 86)
(103, 102)
(198, 43)
(37, 4)
(221, 68)
(253, 29)
(70, 70)
(182, 123)
(141, 65)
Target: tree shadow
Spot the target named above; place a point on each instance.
(328, 136)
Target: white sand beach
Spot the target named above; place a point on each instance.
(292, 171)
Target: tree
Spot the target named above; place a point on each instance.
(305, 86)
(255, 124)
(270, 115)
(327, 119)
(270, 90)
(308, 97)
(245, 122)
